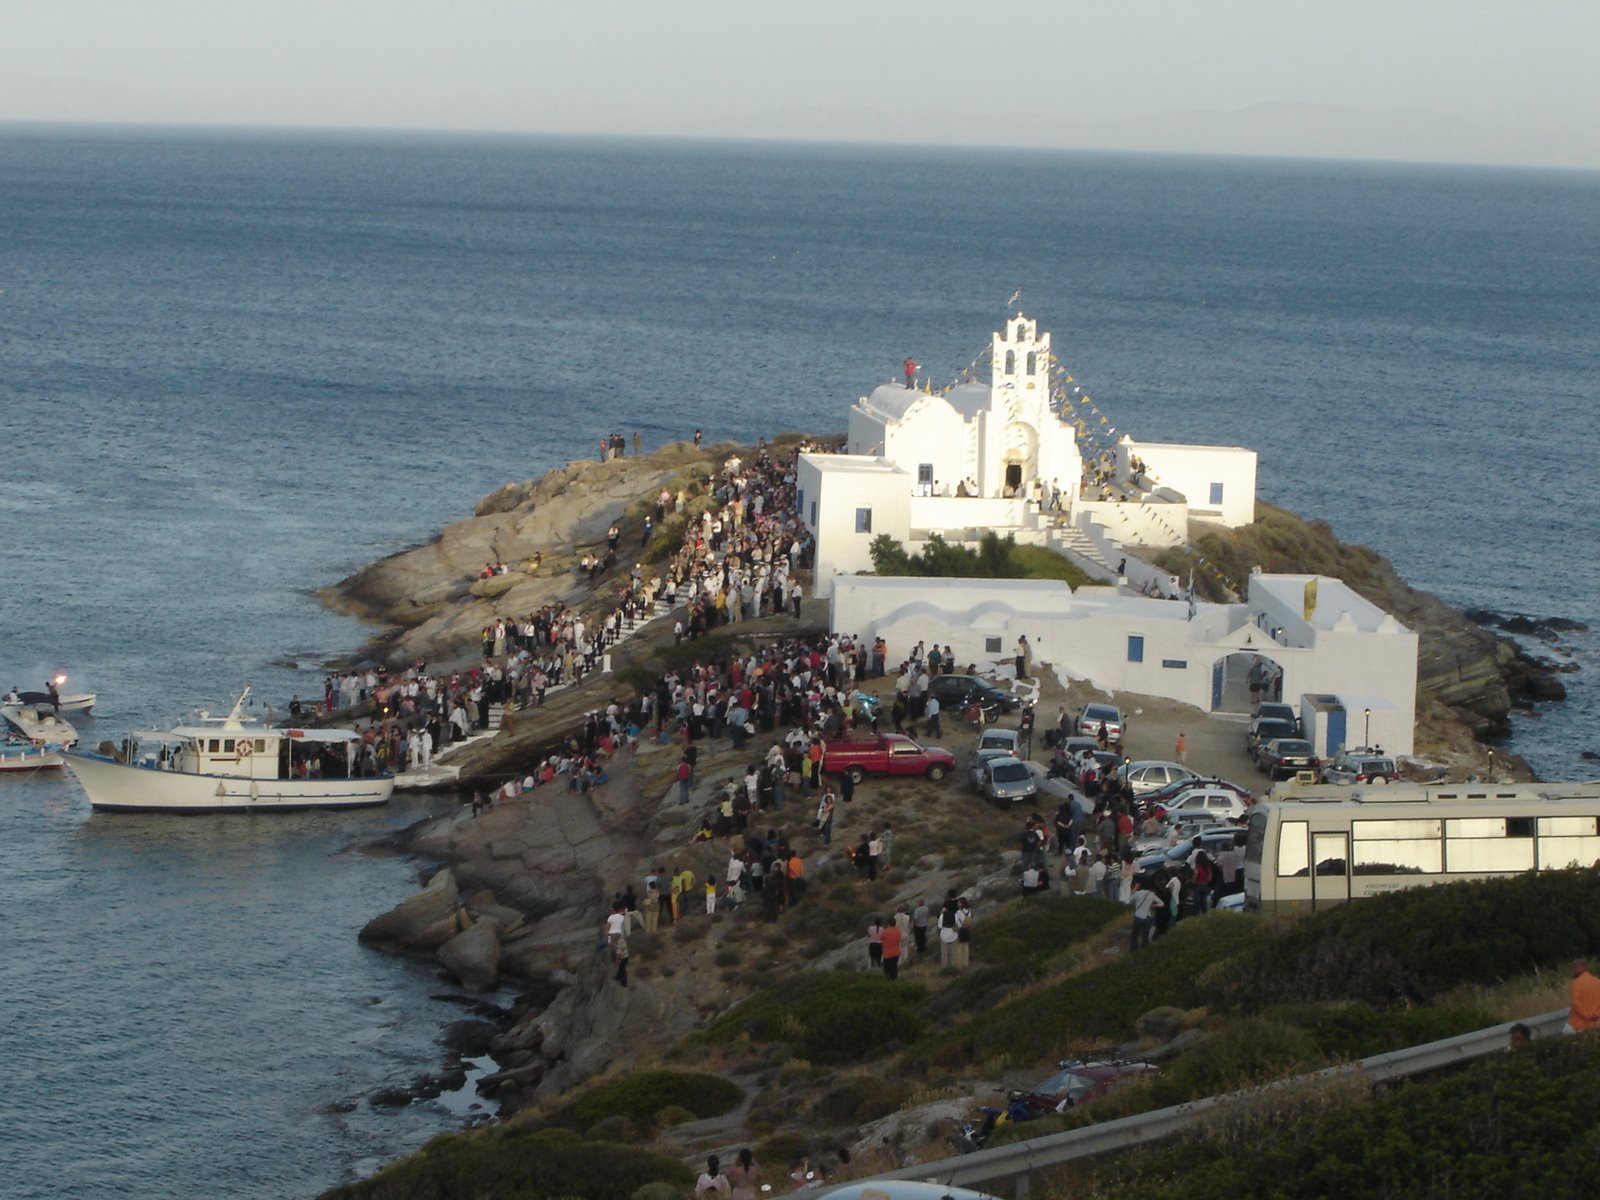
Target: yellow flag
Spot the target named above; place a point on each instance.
(1311, 598)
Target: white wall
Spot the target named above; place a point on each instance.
(1194, 471)
(834, 492)
(940, 513)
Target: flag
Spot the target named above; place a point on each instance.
(1191, 594)
(1311, 598)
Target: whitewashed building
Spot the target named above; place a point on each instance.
(982, 456)
(1348, 666)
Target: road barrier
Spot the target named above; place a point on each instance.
(1018, 1161)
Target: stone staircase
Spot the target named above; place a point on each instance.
(1076, 545)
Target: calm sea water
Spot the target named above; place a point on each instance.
(237, 366)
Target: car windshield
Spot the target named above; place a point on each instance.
(1271, 729)
(1293, 746)
(1012, 773)
(1099, 712)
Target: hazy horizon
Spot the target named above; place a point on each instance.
(1447, 81)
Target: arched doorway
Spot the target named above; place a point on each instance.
(1019, 459)
(1244, 679)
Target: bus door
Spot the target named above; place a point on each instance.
(1330, 868)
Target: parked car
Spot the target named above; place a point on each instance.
(994, 743)
(1262, 732)
(1149, 776)
(1109, 715)
(1212, 841)
(1167, 795)
(1008, 781)
(1223, 802)
(1107, 762)
(958, 692)
(1361, 766)
(1080, 1082)
(1278, 712)
(1282, 757)
(890, 754)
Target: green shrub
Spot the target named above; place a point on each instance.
(1408, 946)
(645, 1093)
(518, 1163)
(1351, 1031)
(1516, 1125)
(828, 1017)
(861, 1098)
(778, 1151)
(1016, 944)
(1101, 1003)
(672, 1116)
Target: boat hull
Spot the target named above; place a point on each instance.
(15, 761)
(117, 787)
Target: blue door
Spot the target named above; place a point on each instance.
(1336, 730)
(1218, 673)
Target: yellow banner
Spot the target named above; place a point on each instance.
(1311, 598)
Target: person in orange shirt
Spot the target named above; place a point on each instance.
(891, 951)
(1585, 1010)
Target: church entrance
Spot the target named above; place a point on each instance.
(1013, 478)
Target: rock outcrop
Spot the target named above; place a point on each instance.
(420, 923)
(431, 600)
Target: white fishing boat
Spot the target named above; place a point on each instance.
(38, 723)
(22, 757)
(232, 764)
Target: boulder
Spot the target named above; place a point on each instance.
(473, 956)
(495, 585)
(421, 922)
(470, 1037)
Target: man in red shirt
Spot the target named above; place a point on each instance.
(891, 951)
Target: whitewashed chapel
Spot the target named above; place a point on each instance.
(1027, 454)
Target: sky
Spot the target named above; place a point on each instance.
(1483, 81)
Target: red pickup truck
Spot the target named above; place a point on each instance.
(890, 754)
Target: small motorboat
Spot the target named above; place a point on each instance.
(19, 756)
(38, 723)
(78, 703)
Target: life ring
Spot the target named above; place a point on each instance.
(242, 749)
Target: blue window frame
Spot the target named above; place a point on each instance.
(863, 520)
(1216, 494)
(1135, 648)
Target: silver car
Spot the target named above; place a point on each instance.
(1008, 781)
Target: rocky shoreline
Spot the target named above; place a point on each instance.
(518, 894)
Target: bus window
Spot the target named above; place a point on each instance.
(1567, 842)
(1499, 855)
(1330, 854)
(1396, 847)
(1293, 856)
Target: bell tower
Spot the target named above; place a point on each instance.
(1021, 364)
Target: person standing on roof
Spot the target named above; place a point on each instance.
(911, 372)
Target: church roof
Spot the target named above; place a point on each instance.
(894, 401)
(970, 399)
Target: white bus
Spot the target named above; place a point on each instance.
(1330, 844)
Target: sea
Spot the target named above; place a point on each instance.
(236, 364)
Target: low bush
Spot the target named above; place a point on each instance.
(1524, 1124)
(1015, 945)
(530, 1166)
(1100, 1003)
(1352, 1031)
(1411, 945)
(829, 1017)
(645, 1093)
(860, 1098)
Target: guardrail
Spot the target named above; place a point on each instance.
(1019, 1160)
